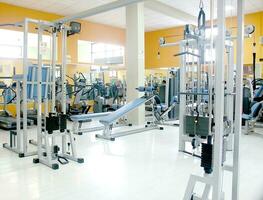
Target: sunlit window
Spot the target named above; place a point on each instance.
(95, 68)
(84, 51)
(11, 45)
(104, 68)
(33, 46)
(208, 32)
(102, 50)
(89, 52)
(112, 74)
(190, 58)
(209, 56)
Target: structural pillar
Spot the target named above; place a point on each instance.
(135, 58)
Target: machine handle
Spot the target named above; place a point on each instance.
(201, 19)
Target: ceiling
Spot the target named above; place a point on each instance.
(153, 20)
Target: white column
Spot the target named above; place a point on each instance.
(230, 98)
(219, 101)
(53, 76)
(182, 105)
(64, 69)
(239, 93)
(24, 93)
(135, 58)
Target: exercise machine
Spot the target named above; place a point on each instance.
(79, 94)
(51, 124)
(124, 110)
(7, 121)
(207, 101)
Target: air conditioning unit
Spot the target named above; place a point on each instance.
(109, 61)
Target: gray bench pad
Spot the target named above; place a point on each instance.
(123, 110)
(83, 117)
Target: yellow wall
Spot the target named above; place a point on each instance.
(166, 58)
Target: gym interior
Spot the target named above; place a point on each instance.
(131, 99)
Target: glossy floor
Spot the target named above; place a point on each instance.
(144, 166)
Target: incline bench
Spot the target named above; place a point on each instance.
(110, 119)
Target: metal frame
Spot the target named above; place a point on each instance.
(78, 130)
(238, 100)
(22, 135)
(214, 182)
(46, 141)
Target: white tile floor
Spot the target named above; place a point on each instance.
(145, 166)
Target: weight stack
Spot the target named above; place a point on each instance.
(207, 157)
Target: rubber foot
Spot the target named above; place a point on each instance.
(44, 154)
(129, 124)
(55, 166)
(112, 139)
(35, 160)
(80, 160)
(80, 133)
(148, 122)
(21, 155)
(4, 145)
(146, 126)
(161, 128)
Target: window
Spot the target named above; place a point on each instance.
(112, 74)
(104, 68)
(209, 56)
(208, 33)
(88, 51)
(33, 46)
(102, 50)
(11, 45)
(84, 51)
(190, 58)
(95, 68)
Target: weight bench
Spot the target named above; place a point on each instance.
(252, 118)
(110, 119)
(78, 120)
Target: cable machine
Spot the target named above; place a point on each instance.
(38, 82)
(207, 97)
